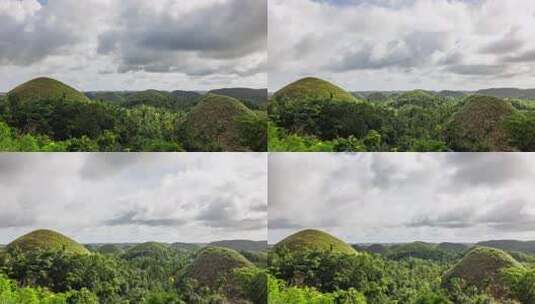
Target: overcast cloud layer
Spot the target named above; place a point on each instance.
(405, 44)
(386, 197)
(190, 197)
(134, 44)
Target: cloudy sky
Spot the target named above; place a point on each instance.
(134, 44)
(189, 197)
(387, 197)
(403, 44)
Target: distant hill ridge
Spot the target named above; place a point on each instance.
(241, 245)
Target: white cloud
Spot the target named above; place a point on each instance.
(385, 197)
(370, 45)
(134, 197)
(134, 45)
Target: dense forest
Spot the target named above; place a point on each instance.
(314, 267)
(47, 115)
(314, 115)
(46, 267)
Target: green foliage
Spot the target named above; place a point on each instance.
(521, 130)
(46, 115)
(521, 282)
(309, 118)
(281, 294)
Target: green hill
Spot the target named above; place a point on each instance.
(254, 97)
(481, 267)
(377, 97)
(46, 240)
(312, 89)
(315, 240)
(478, 125)
(376, 248)
(213, 264)
(453, 247)
(241, 245)
(112, 97)
(45, 89)
(214, 121)
(148, 249)
(185, 246)
(419, 250)
(110, 249)
(153, 98)
(419, 98)
(185, 99)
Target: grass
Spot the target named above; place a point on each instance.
(46, 89)
(47, 240)
(215, 119)
(312, 89)
(213, 264)
(315, 240)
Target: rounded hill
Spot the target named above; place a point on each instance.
(148, 249)
(481, 267)
(479, 125)
(419, 98)
(110, 249)
(153, 98)
(46, 240)
(212, 264)
(311, 239)
(45, 89)
(312, 89)
(215, 121)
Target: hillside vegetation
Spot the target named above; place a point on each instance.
(215, 122)
(312, 115)
(49, 268)
(413, 273)
(47, 115)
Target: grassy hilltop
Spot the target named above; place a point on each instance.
(414, 273)
(45, 267)
(313, 115)
(315, 240)
(45, 89)
(46, 240)
(47, 115)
